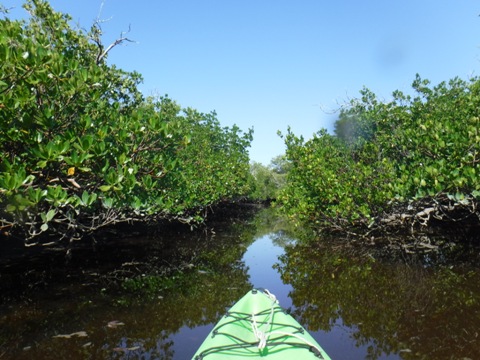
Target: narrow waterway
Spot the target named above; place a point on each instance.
(158, 297)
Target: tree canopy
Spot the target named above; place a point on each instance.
(82, 148)
(411, 162)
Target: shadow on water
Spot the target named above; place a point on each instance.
(158, 296)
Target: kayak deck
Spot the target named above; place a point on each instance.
(256, 326)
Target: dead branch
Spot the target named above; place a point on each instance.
(96, 33)
(119, 41)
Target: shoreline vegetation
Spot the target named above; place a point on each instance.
(81, 150)
(407, 167)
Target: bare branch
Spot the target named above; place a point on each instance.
(100, 10)
(120, 40)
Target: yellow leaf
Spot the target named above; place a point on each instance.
(71, 171)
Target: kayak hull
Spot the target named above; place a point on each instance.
(257, 327)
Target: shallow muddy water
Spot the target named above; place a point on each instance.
(157, 297)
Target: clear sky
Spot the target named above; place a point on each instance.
(271, 64)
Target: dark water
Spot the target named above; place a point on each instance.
(157, 297)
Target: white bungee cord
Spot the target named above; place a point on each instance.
(262, 336)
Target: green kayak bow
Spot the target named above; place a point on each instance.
(257, 327)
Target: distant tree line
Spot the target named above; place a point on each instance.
(269, 180)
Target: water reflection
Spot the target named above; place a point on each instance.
(196, 300)
(389, 308)
(260, 258)
(150, 298)
(158, 297)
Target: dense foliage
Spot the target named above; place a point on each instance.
(269, 180)
(81, 148)
(411, 161)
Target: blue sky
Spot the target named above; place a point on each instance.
(271, 64)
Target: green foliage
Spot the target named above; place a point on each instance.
(213, 167)
(437, 150)
(268, 181)
(411, 148)
(326, 182)
(79, 141)
(432, 138)
(353, 126)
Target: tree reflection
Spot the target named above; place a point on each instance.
(182, 280)
(418, 312)
(196, 299)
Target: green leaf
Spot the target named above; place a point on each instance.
(107, 203)
(85, 197)
(50, 215)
